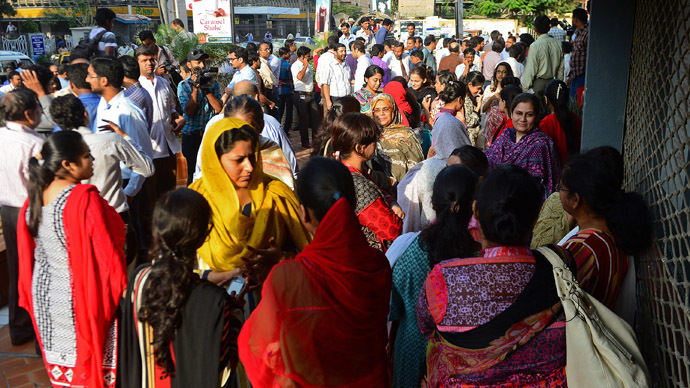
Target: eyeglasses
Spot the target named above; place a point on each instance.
(383, 110)
(93, 75)
(232, 59)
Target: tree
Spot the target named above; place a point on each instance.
(77, 13)
(6, 9)
(521, 9)
(352, 11)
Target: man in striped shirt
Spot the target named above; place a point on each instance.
(336, 78)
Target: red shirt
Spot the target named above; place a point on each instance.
(550, 126)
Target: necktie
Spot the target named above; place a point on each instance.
(402, 66)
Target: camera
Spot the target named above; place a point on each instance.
(168, 67)
(203, 77)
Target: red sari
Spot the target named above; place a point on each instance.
(322, 317)
(96, 235)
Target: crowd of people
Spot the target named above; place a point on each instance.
(400, 254)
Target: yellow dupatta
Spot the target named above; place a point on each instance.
(274, 208)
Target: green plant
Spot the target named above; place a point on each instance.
(520, 9)
(6, 9)
(179, 45)
(28, 26)
(77, 13)
(352, 11)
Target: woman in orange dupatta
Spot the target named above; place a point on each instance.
(322, 318)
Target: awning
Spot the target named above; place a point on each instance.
(266, 11)
(132, 19)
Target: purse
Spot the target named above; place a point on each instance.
(601, 348)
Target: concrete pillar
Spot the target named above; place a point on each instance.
(608, 67)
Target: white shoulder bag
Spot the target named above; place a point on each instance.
(601, 347)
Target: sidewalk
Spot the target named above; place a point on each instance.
(20, 367)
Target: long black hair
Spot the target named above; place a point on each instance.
(452, 197)
(181, 222)
(226, 141)
(370, 72)
(557, 94)
(60, 146)
(347, 104)
(508, 203)
(494, 80)
(321, 183)
(598, 185)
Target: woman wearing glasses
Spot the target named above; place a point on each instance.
(493, 96)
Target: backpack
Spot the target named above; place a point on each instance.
(88, 48)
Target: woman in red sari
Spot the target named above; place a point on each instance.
(71, 265)
(322, 317)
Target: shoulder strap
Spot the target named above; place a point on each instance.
(99, 36)
(538, 295)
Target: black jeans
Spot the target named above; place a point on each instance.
(308, 115)
(285, 106)
(21, 328)
(190, 149)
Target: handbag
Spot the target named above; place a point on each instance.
(601, 348)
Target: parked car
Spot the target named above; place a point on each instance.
(12, 58)
(304, 40)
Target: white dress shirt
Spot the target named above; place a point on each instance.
(324, 61)
(18, 144)
(444, 52)
(274, 64)
(460, 69)
(387, 56)
(131, 119)
(109, 150)
(395, 66)
(363, 62)
(337, 75)
(162, 136)
(306, 84)
(517, 67)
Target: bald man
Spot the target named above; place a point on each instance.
(271, 131)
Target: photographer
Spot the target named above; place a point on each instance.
(200, 100)
(166, 62)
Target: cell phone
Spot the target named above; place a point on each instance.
(236, 285)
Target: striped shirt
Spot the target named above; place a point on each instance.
(17, 145)
(143, 99)
(337, 76)
(601, 266)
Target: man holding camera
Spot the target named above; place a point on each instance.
(166, 61)
(200, 100)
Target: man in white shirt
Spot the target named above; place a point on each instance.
(105, 76)
(443, 52)
(105, 17)
(399, 64)
(346, 37)
(15, 82)
(366, 32)
(509, 42)
(363, 62)
(388, 48)
(307, 108)
(161, 54)
(19, 142)
(336, 79)
(270, 81)
(324, 60)
(166, 123)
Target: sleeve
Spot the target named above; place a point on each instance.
(134, 157)
(561, 65)
(135, 126)
(530, 70)
(109, 39)
(183, 93)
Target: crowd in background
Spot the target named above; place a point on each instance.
(401, 253)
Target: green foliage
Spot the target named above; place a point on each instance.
(516, 8)
(77, 13)
(179, 45)
(6, 9)
(28, 26)
(352, 11)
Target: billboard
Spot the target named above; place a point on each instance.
(323, 16)
(383, 6)
(415, 8)
(211, 20)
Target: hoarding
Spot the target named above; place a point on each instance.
(212, 22)
(323, 16)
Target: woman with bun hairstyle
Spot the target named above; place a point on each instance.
(446, 238)
(496, 320)
(525, 145)
(354, 137)
(191, 323)
(434, 106)
(72, 268)
(562, 126)
(322, 317)
(373, 77)
(613, 224)
(473, 104)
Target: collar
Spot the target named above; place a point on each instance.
(14, 126)
(115, 100)
(510, 251)
(84, 131)
(452, 112)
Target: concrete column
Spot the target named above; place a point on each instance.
(608, 67)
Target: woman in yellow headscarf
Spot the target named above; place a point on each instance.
(249, 207)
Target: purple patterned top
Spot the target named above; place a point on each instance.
(534, 152)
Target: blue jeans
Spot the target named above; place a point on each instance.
(575, 83)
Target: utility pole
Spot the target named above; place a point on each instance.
(458, 19)
(306, 2)
(232, 22)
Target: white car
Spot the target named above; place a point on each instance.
(12, 58)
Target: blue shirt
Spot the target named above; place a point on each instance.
(204, 110)
(143, 99)
(90, 101)
(346, 41)
(381, 35)
(246, 74)
(285, 81)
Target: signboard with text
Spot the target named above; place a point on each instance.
(37, 44)
(211, 20)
